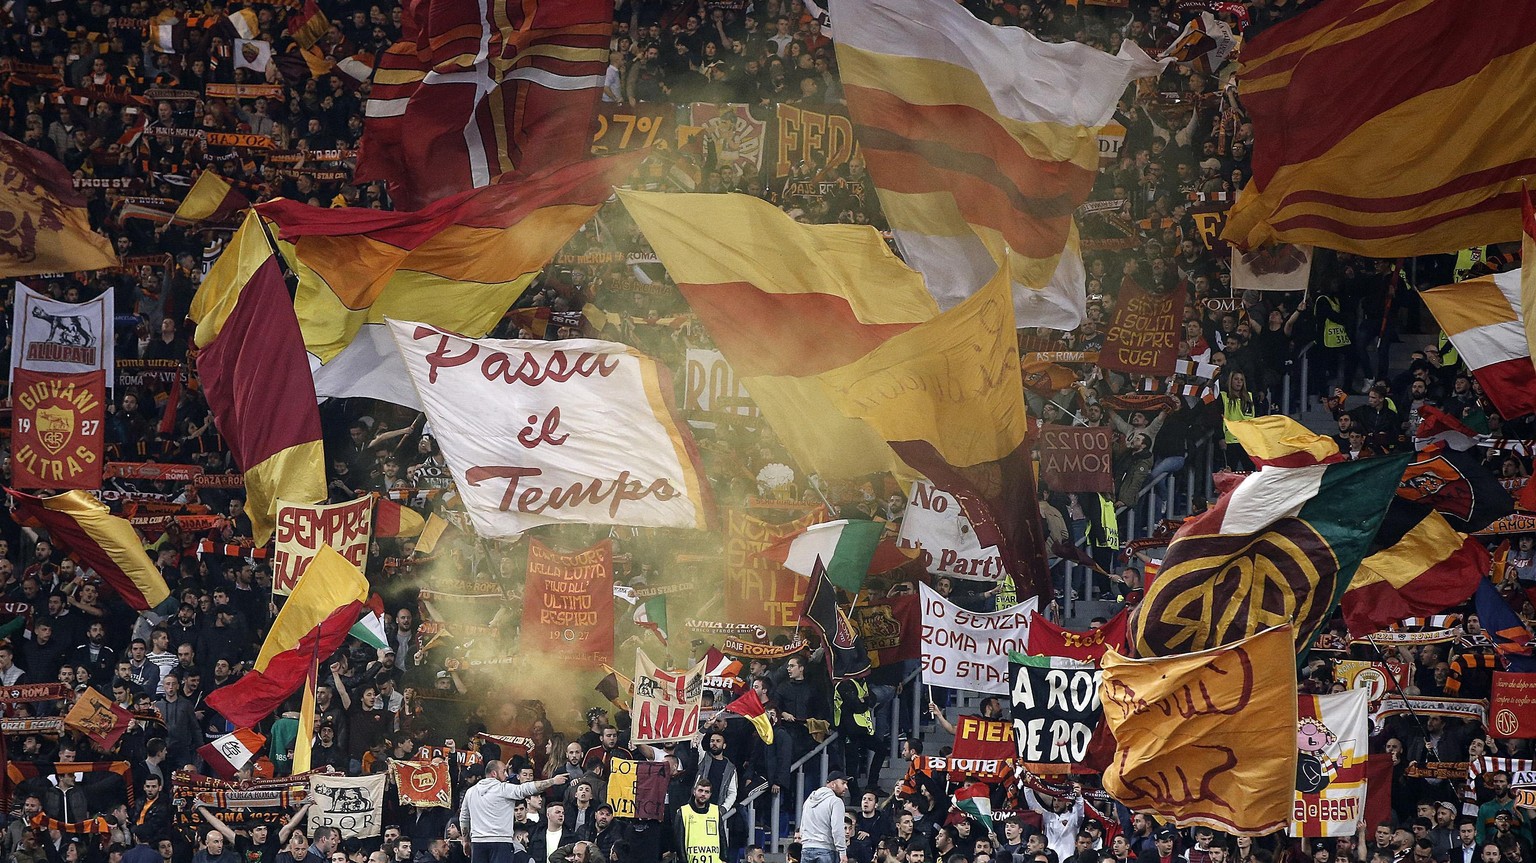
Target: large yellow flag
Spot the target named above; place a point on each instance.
(1206, 738)
(45, 228)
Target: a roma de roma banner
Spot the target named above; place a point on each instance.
(666, 704)
(422, 783)
(64, 338)
(302, 529)
(1076, 458)
(56, 429)
(579, 431)
(568, 603)
(1143, 336)
(47, 229)
(1208, 737)
(353, 805)
(968, 650)
(1056, 708)
(1512, 705)
(935, 522)
(1048, 639)
(759, 591)
(1331, 743)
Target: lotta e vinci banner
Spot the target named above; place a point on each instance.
(56, 429)
(666, 706)
(1330, 764)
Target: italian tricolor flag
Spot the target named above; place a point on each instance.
(849, 548)
(369, 628)
(976, 802)
(226, 755)
(652, 615)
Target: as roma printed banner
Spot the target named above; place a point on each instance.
(1330, 764)
(302, 529)
(758, 591)
(422, 783)
(534, 432)
(1513, 705)
(966, 650)
(568, 604)
(1056, 709)
(1076, 459)
(62, 338)
(934, 523)
(890, 628)
(56, 429)
(666, 704)
(1143, 338)
(977, 738)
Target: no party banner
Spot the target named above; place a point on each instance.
(1330, 764)
(1143, 339)
(1056, 708)
(56, 429)
(757, 590)
(63, 338)
(1513, 705)
(568, 603)
(666, 706)
(351, 805)
(966, 650)
(889, 628)
(302, 529)
(934, 522)
(538, 432)
(1076, 459)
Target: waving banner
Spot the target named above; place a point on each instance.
(1330, 764)
(966, 650)
(56, 429)
(568, 603)
(302, 529)
(351, 805)
(666, 708)
(934, 522)
(759, 591)
(1056, 708)
(62, 338)
(422, 783)
(534, 432)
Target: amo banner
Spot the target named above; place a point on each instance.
(666, 703)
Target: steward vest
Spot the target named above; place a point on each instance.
(701, 834)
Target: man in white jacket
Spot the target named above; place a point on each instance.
(486, 823)
(822, 835)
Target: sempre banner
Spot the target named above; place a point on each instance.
(1056, 708)
(1076, 458)
(666, 703)
(302, 528)
(967, 650)
(534, 432)
(1143, 337)
(935, 523)
(568, 603)
(56, 429)
(62, 338)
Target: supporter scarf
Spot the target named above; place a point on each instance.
(18, 772)
(96, 826)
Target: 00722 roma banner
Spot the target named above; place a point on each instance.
(568, 604)
(1076, 459)
(302, 529)
(56, 429)
(966, 650)
(536, 432)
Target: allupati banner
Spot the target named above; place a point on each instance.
(302, 529)
(63, 338)
(568, 604)
(1143, 337)
(966, 650)
(351, 805)
(1331, 743)
(666, 704)
(535, 432)
(56, 429)
(934, 522)
(1056, 708)
(1076, 459)
(759, 591)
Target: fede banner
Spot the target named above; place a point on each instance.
(568, 604)
(1331, 764)
(534, 432)
(968, 650)
(934, 523)
(666, 703)
(1077, 459)
(1512, 705)
(1143, 337)
(757, 590)
(57, 437)
(303, 528)
(1056, 708)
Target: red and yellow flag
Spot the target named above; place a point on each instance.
(46, 228)
(1352, 152)
(83, 527)
(312, 623)
(211, 199)
(253, 369)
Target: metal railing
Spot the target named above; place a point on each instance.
(776, 804)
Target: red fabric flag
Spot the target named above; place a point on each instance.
(1048, 639)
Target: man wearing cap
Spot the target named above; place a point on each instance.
(1443, 834)
(1164, 847)
(596, 719)
(822, 834)
(486, 817)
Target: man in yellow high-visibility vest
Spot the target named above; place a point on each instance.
(698, 827)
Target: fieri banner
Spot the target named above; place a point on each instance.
(759, 591)
(302, 529)
(934, 522)
(985, 739)
(62, 338)
(1143, 338)
(1330, 765)
(536, 432)
(966, 650)
(1076, 459)
(666, 706)
(568, 604)
(56, 429)
(1056, 708)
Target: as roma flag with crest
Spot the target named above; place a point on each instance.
(56, 429)
(1457, 486)
(422, 783)
(846, 654)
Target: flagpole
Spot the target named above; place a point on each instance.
(1392, 679)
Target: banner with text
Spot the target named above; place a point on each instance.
(1331, 742)
(759, 591)
(302, 529)
(710, 384)
(56, 429)
(351, 805)
(1056, 708)
(1513, 705)
(967, 650)
(977, 738)
(935, 523)
(1143, 337)
(63, 338)
(1076, 459)
(568, 604)
(666, 705)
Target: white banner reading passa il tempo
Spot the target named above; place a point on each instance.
(966, 650)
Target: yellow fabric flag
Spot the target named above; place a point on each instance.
(1281, 440)
(303, 744)
(1206, 738)
(211, 199)
(953, 382)
(46, 228)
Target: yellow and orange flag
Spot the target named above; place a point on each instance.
(46, 228)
